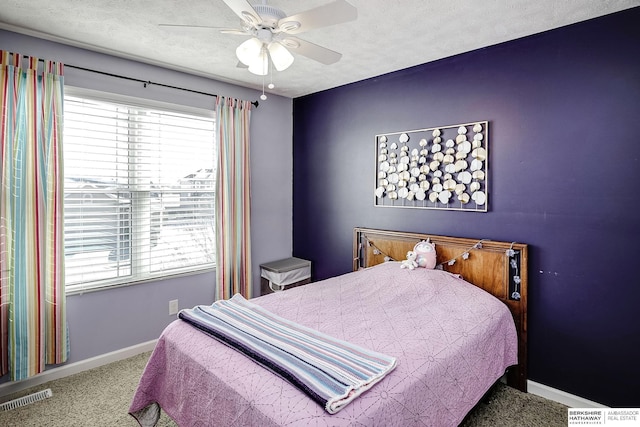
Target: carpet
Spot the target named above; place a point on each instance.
(101, 397)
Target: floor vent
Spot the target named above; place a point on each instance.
(26, 400)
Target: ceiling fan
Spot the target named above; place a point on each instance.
(273, 33)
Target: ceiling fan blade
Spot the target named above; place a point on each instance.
(311, 50)
(333, 13)
(234, 31)
(245, 11)
(204, 27)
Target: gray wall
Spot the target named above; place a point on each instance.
(109, 320)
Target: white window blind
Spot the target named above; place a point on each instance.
(139, 192)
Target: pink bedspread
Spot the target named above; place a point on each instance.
(452, 340)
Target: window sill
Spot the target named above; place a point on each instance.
(79, 289)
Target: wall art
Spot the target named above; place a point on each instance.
(436, 168)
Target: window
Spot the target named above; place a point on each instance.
(139, 191)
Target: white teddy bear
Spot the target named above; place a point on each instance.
(410, 262)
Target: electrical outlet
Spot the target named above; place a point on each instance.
(173, 306)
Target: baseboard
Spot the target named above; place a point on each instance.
(76, 367)
(560, 396)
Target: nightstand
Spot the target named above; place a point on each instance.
(284, 274)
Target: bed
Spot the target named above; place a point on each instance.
(454, 330)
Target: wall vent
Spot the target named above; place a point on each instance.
(26, 400)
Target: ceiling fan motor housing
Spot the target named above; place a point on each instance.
(270, 15)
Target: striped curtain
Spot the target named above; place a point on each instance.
(32, 297)
(233, 237)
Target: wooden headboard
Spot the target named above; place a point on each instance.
(499, 268)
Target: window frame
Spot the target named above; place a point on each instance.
(134, 278)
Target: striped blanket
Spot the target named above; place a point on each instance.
(331, 371)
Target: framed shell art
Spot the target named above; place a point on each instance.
(436, 168)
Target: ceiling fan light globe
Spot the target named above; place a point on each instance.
(260, 64)
(280, 56)
(258, 70)
(249, 50)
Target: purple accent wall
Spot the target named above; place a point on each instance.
(564, 166)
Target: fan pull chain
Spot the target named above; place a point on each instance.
(271, 85)
(264, 50)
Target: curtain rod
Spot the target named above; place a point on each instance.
(145, 82)
(148, 82)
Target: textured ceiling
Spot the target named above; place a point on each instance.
(388, 35)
